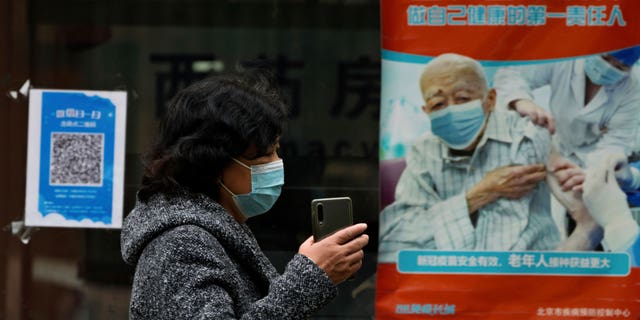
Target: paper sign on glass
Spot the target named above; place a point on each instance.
(75, 161)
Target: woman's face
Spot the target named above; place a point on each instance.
(238, 178)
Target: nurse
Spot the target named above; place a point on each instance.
(594, 104)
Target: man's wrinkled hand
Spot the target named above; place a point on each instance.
(514, 182)
(511, 182)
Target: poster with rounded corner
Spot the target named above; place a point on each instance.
(453, 73)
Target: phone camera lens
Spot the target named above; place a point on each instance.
(320, 209)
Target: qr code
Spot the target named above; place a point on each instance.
(76, 159)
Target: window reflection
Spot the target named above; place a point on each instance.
(325, 55)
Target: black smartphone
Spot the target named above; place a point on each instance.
(329, 215)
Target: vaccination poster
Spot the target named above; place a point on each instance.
(481, 95)
(75, 169)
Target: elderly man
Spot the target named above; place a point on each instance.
(476, 182)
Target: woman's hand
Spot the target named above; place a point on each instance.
(340, 254)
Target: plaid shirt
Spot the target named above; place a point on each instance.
(430, 210)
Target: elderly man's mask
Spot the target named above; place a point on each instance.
(458, 126)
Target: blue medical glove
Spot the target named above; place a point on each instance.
(608, 206)
(627, 176)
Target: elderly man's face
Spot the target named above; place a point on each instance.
(446, 85)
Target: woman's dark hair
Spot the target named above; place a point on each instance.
(205, 125)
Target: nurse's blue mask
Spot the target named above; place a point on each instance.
(602, 72)
(458, 126)
(266, 183)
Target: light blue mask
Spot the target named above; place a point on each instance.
(602, 72)
(266, 183)
(458, 126)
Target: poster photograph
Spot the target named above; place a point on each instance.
(508, 146)
(75, 169)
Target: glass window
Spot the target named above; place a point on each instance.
(326, 57)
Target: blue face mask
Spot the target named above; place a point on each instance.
(266, 183)
(602, 72)
(458, 126)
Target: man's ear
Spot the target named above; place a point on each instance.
(490, 103)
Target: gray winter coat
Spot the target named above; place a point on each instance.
(195, 261)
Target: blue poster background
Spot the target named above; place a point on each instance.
(77, 114)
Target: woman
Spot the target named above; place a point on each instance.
(215, 164)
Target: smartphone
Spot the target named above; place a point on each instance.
(329, 215)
